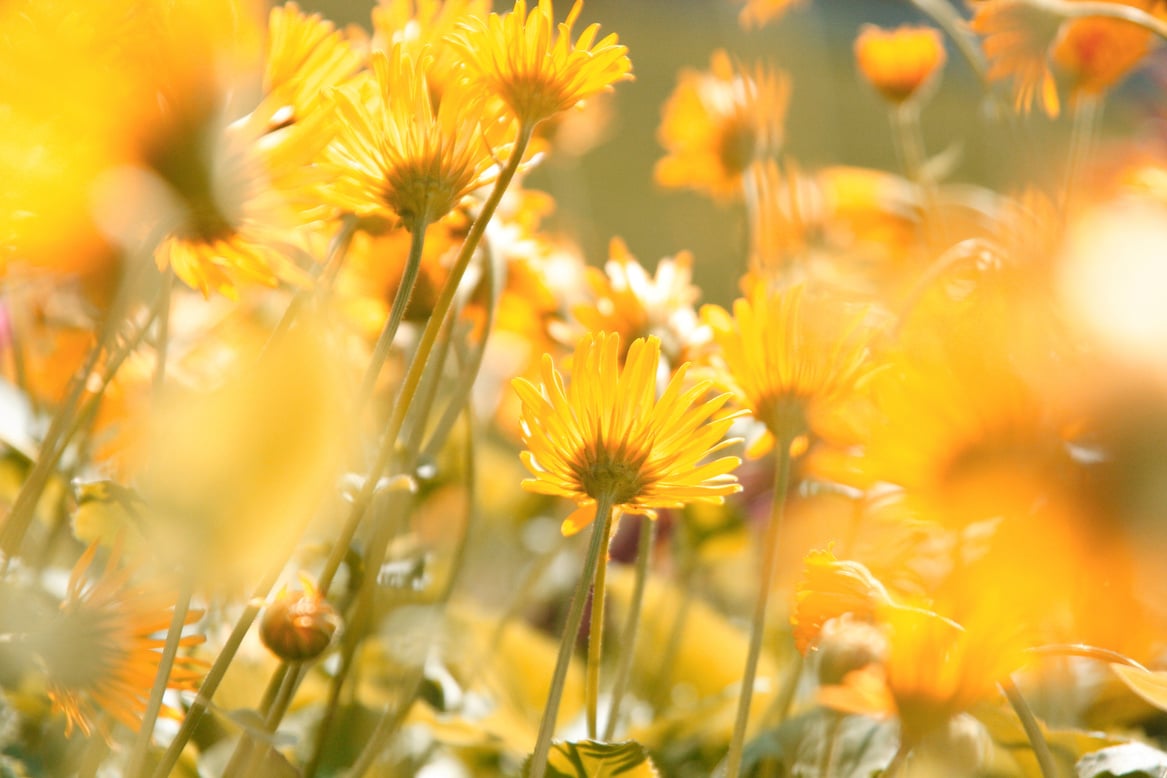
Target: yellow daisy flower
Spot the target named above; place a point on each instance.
(398, 156)
(536, 73)
(608, 437)
(789, 361)
(716, 124)
(101, 654)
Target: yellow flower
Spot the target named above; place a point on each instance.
(1017, 37)
(792, 365)
(101, 654)
(607, 437)
(760, 12)
(899, 62)
(629, 301)
(396, 155)
(536, 73)
(717, 123)
(829, 588)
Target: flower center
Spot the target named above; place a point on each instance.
(613, 474)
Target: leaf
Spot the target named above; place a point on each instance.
(1151, 686)
(590, 759)
(1011, 743)
(1129, 760)
(860, 745)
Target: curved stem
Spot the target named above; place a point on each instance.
(631, 623)
(1045, 759)
(596, 636)
(758, 622)
(1107, 10)
(1086, 652)
(600, 531)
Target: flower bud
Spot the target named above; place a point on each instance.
(299, 626)
(898, 62)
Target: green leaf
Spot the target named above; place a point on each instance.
(590, 759)
(1129, 760)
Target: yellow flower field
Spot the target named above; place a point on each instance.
(312, 377)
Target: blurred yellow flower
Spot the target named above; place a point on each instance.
(829, 588)
(397, 155)
(100, 653)
(717, 123)
(899, 62)
(1017, 36)
(792, 362)
(1098, 53)
(536, 73)
(608, 437)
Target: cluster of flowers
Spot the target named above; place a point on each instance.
(282, 329)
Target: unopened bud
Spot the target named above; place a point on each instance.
(299, 625)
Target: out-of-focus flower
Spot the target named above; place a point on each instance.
(1098, 53)
(761, 12)
(416, 24)
(630, 302)
(1017, 37)
(101, 653)
(537, 73)
(829, 588)
(716, 124)
(935, 669)
(608, 437)
(792, 361)
(396, 155)
(899, 62)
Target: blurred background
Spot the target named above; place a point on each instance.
(833, 119)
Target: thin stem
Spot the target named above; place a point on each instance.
(596, 636)
(1045, 759)
(396, 312)
(1086, 652)
(898, 762)
(154, 705)
(162, 345)
(417, 366)
(758, 622)
(631, 623)
(1083, 127)
(570, 633)
(827, 762)
(19, 517)
(780, 705)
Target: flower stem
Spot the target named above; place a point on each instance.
(396, 312)
(631, 623)
(1087, 111)
(1045, 759)
(165, 663)
(758, 622)
(898, 762)
(600, 531)
(596, 636)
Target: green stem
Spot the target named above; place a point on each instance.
(396, 312)
(165, 663)
(596, 636)
(631, 623)
(1083, 127)
(1045, 759)
(758, 622)
(827, 762)
(600, 531)
(898, 762)
(16, 524)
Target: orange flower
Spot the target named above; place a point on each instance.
(1098, 53)
(717, 123)
(760, 12)
(1017, 40)
(100, 653)
(829, 588)
(899, 62)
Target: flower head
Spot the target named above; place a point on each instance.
(899, 62)
(760, 12)
(1017, 37)
(718, 123)
(536, 73)
(101, 653)
(788, 362)
(398, 155)
(830, 588)
(608, 437)
(1098, 53)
